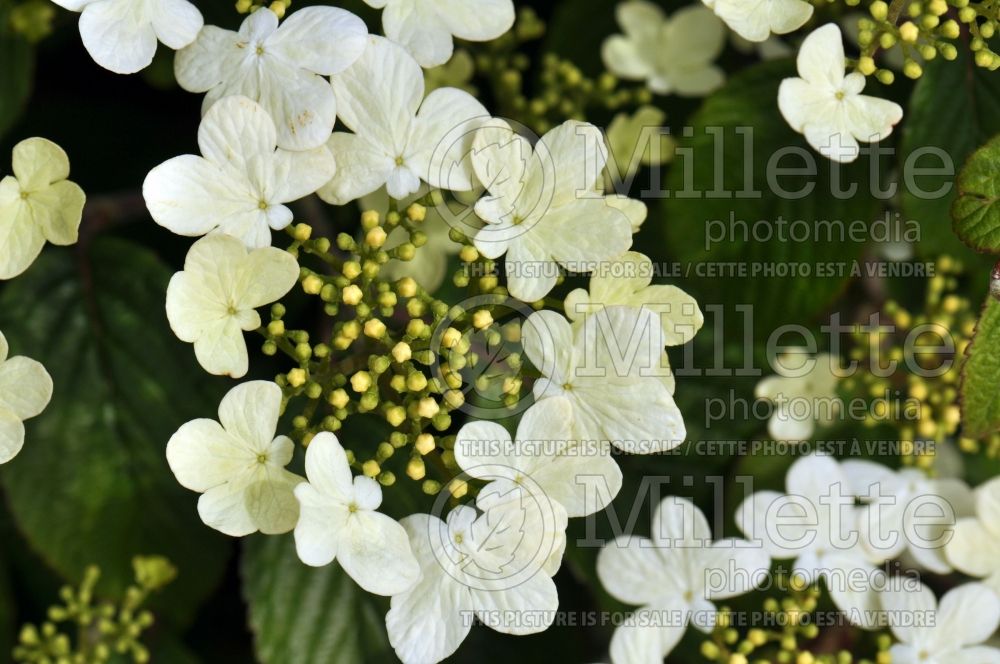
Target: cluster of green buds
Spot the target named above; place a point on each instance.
(923, 30)
(392, 351)
(101, 629)
(932, 393)
(786, 627)
(564, 93)
(32, 19)
(279, 7)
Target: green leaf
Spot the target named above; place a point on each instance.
(975, 213)
(92, 484)
(981, 376)
(303, 615)
(955, 107)
(18, 58)
(719, 181)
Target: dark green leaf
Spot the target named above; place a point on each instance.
(975, 213)
(981, 376)
(92, 484)
(712, 190)
(304, 615)
(955, 108)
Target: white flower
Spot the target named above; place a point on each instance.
(945, 633)
(239, 466)
(907, 511)
(241, 183)
(338, 521)
(543, 208)
(37, 203)
(493, 566)
(425, 27)
(975, 548)
(542, 456)
(815, 523)
(400, 138)
(670, 55)
(25, 391)
(211, 303)
(756, 20)
(674, 575)
(826, 106)
(281, 68)
(608, 368)
(121, 35)
(804, 393)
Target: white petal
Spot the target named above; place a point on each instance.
(176, 22)
(442, 138)
(623, 57)
(327, 467)
(25, 387)
(211, 60)
(571, 158)
(483, 449)
(905, 605)
(967, 615)
(265, 275)
(202, 455)
(547, 339)
(21, 240)
(649, 634)
(302, 104)
(378, 96)
(320, 528)
(189, 195)
(427, 623)
(821, 57)
(419, 28)
(324, 40)
(271, 501)
(11, 435)
(477, 20)
(585, 231)
(362, 168)
(117, 36)
(531, 272)
(225, 509)
(537, 596)
(376, 553)
(250, 412)
(636, 571)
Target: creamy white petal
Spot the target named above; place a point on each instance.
(362, 168)
(202, 455)
(25, 387)
(176, 22)
(118, 37)
(375, 552)
(324, 40)
(477, 20)
(438, 150)
(11, 435)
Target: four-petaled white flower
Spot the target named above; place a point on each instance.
(804, 394)
(975, 547)
(948, 632)
(542, 456)
(37, 203)
(281, 68)
(907, 511)
(827, 106)
(609, 369)
(670, 55)
(238, 465)
(494, 565)
(425, 27)
(241, 183)
(543, 208)
(757, 20)
(211, 303)
(121, 35)
(815, 523)
(400, 138)
(25, 391)
(674, 575)
(338, 521)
